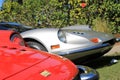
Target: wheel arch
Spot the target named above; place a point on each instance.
(30, 39)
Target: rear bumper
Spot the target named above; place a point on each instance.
(78, 53)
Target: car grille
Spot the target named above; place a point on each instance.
(112, 41)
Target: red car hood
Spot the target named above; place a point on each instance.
(22, 63)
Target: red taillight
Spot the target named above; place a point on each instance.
(95, 40)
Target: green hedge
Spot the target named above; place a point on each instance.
(60, 13)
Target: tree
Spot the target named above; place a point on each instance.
(19, 1)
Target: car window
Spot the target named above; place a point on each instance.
(9, 27)
(3, 28)
(15, 27)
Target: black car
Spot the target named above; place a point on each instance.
(14, 26)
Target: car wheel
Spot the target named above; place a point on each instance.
(36, 45)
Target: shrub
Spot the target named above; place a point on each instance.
(60, 13)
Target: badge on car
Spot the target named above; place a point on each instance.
(45, 73)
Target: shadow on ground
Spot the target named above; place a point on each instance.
(100, 62)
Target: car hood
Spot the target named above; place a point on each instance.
(21, 63)
(83, 36)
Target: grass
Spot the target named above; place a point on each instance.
(110, 72)
(107, 71)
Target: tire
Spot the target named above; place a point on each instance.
(36, 45)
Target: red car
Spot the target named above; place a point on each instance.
(7, 36)
(18, 62)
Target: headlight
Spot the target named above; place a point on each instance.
(61, 36)
(17, 39)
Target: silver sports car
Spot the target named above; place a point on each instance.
(73, 42)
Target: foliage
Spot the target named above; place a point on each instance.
(101, 25)
(60, 13)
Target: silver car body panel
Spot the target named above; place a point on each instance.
(77, 39)
(79, 53)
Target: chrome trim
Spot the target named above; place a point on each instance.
(79, 53)
(88, 73)
(66, 52)
(118, 39)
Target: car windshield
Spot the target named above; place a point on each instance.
(3, 28)
(14, 26)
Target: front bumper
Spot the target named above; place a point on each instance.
(87, 73)
(78, 53)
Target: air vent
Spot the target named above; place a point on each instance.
(78, 33)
